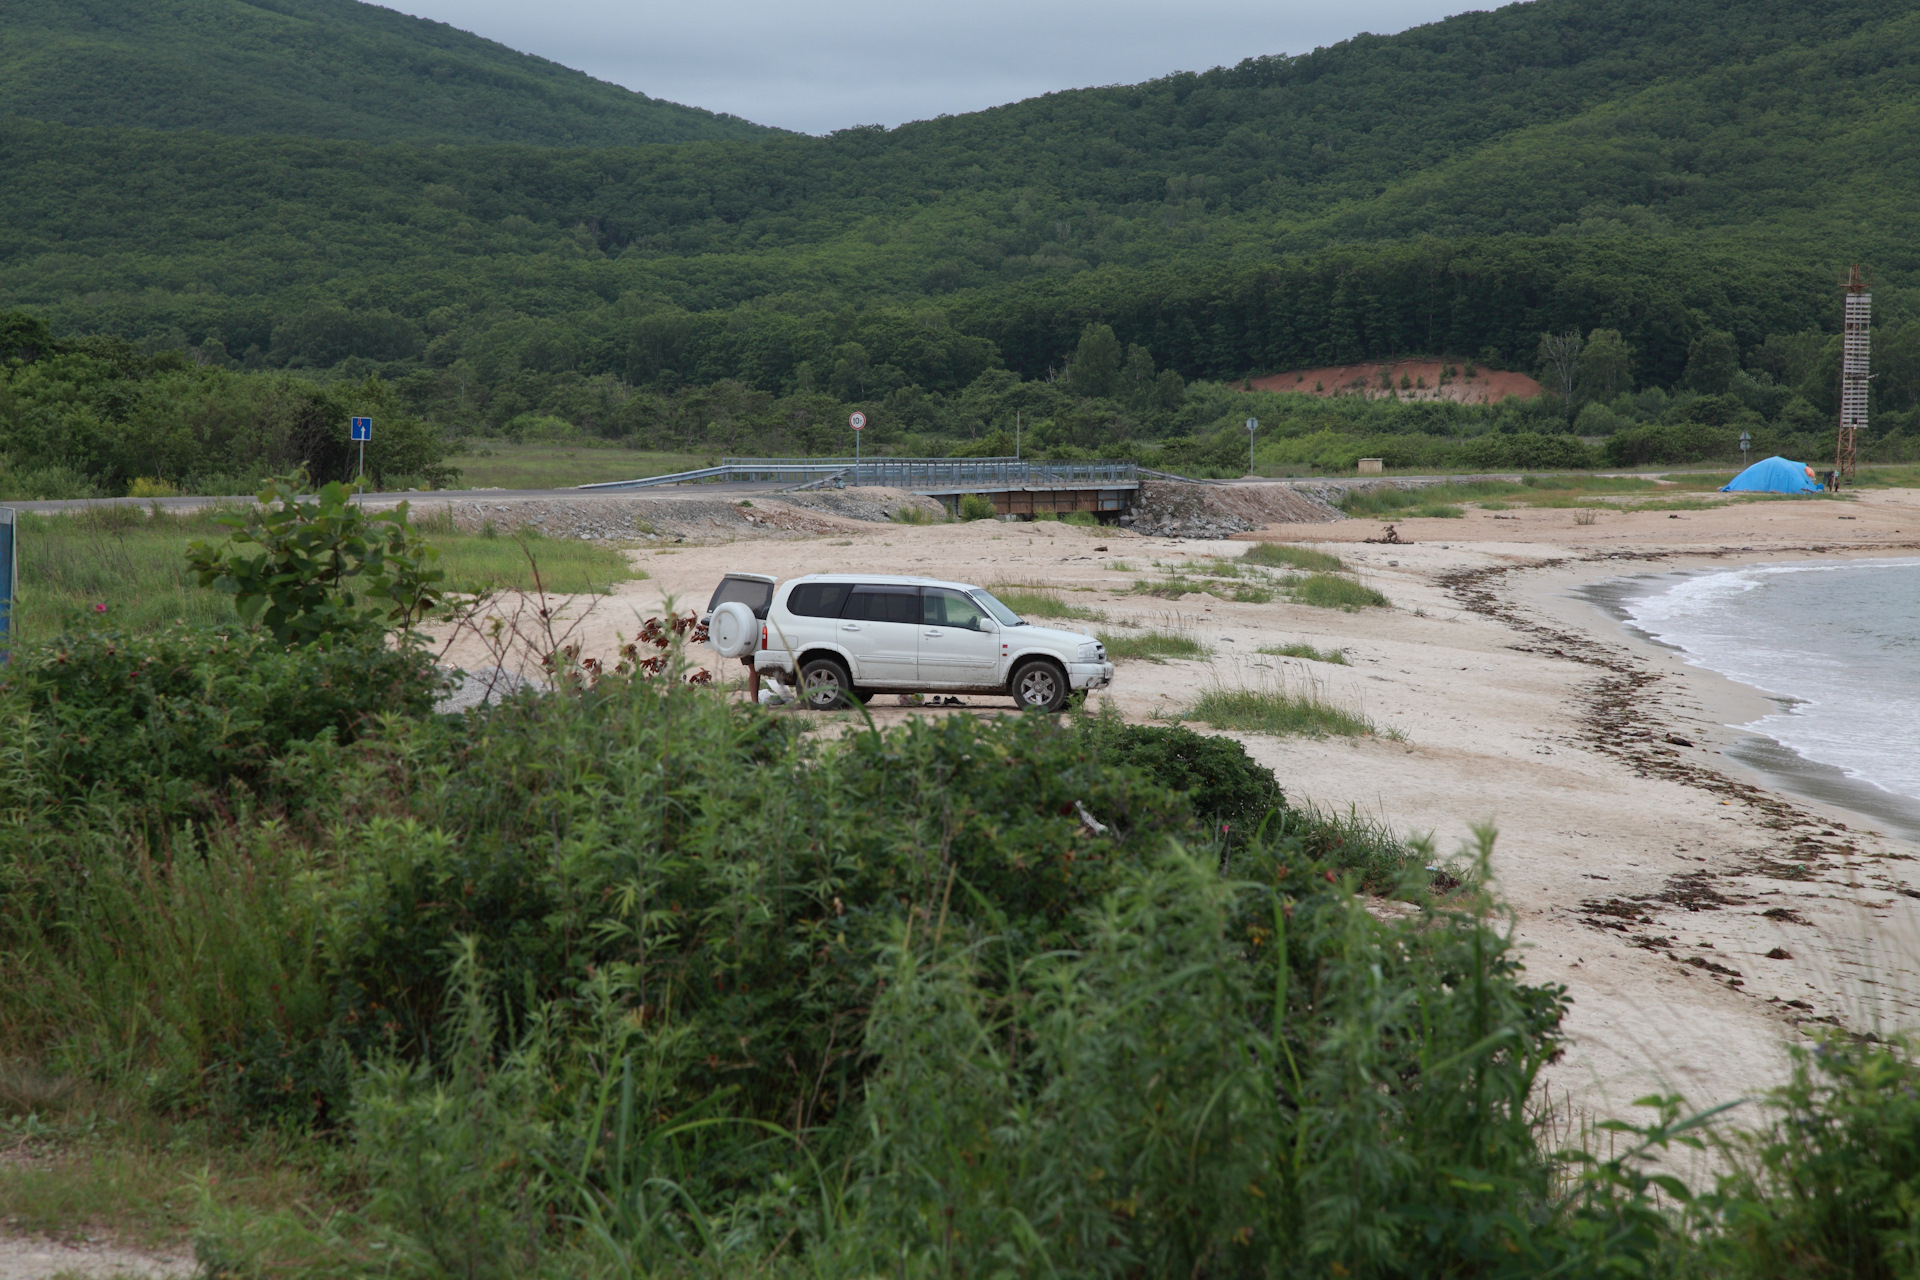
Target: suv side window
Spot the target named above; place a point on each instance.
(883, 604)
(818, 599)
(944, 608)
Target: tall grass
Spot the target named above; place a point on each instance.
(1178, 584)
(1331, 591)
(1281, 555)
(1153, 645)
(125, 566)
(502, 464)
(1032, 601)
(1531, 491)
(1278, 705)
(1303, 650)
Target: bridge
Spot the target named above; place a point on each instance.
(1013, 485)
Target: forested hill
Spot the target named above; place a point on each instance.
(316, 68)
(1686, 180)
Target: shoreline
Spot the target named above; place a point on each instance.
(1767, 758)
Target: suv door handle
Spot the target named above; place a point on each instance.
(935, 633)
(849, 626)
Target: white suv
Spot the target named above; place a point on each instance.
(854, 635)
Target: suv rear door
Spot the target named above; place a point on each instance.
(880, 628)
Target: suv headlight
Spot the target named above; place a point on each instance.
(1093, 651)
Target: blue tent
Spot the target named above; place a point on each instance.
(1775, 475)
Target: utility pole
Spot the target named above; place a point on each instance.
(1253, 425)
(1016, 435)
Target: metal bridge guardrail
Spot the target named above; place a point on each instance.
(937, 475)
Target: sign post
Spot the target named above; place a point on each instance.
(858, 422)
(9, 576)
(363, 432)
(1746, 442)
(1253, 425)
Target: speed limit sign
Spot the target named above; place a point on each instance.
(857, 421)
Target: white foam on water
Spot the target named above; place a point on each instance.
(1842, 639)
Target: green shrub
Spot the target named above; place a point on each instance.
(1307, 651)
(1221, 781)
(1280, 555)
(171, 722)
(1042, 602)
(1830, 1184)
(1152, 645)
(1525, 451)
(1330, 591)
(325, 568)
(975, 507)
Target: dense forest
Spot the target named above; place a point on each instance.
(1681, 184)
(315, 68)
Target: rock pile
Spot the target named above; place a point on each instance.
(1171, 510)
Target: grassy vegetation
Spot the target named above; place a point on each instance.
(1901, 477)
(1154, 645)
(1332, 591)
(1307, 651)
(1177, 585)
(501, 464)
(1493, 495)
(1281, 555)
(1030, 600)
(146, 1181)
(1276, 709)
(1436, 511)
(345, 987)
(914, 515)
(125, 567)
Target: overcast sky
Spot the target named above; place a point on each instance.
(829, 65)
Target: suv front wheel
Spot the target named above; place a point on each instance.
(825, 684)
(1038, 685)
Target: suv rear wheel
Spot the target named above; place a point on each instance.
(1038, 685)
(825, 684)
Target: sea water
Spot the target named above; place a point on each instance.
(1837, 643)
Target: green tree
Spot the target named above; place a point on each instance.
(1136, 377)
(1606, 365)
(1711, 359)
(1095, 369)
(1896, 365)
(1560, 365)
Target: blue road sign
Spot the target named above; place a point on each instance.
(363, 428)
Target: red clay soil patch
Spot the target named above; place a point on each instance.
(1425, 380)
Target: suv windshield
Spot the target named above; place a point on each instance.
(1003, 615)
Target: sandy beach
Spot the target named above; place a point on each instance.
(1701, 912)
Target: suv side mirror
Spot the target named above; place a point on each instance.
(987, 624)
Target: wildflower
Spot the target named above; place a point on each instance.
(100, 607)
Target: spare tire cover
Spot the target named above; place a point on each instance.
(734, 630)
